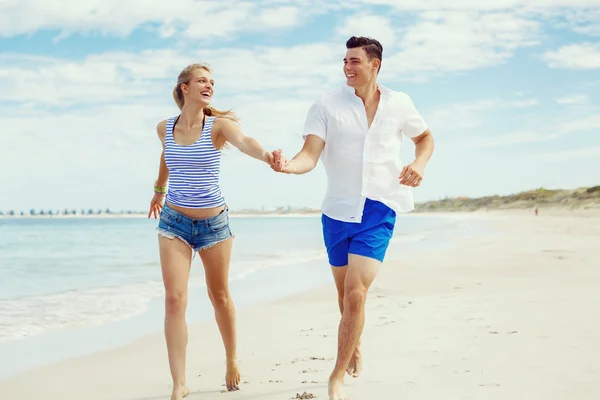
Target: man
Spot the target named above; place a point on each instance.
(357, 132)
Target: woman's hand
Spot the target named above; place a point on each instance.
(156, 205)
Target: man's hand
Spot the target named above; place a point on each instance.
(412, 174)
(280, 163)
(303, 162)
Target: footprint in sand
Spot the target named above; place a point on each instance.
(308, 371)
(304, 395)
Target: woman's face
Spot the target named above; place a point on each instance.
(200, 88)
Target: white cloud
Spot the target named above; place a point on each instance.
(490, 5)
(439, 42)
(106, 16)
(589, 30)
(460, 41)
(374, 26)
(197, 18)
(222, 23)
(575, 56)
(574, 99)
(150, 75)
(580, 20)
(205, 19)
(282, 17)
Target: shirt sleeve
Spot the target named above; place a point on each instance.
(414, 124)
(316, 122)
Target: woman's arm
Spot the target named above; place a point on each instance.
(163, 171)
(246, 144)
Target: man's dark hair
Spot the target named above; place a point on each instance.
(372, 47)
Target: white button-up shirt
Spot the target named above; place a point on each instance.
(363, 162)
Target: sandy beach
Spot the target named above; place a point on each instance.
(509, 315)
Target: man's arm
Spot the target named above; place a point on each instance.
(423, 147)
(413, 173)
(305, 161)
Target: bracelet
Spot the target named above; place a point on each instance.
(160, 189)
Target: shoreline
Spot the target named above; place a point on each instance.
(549, 210)
(471, 321)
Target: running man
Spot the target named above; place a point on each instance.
(357, 131)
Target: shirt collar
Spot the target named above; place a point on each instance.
(384, 91)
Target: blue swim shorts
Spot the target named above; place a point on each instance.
(369, 238)
(199, 234)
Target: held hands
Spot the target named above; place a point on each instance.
(412, 174)
(280, 163)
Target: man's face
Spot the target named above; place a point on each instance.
(358, 68)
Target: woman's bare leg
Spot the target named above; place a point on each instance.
(176, 259)
(216, 266)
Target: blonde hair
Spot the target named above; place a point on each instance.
(184, 78)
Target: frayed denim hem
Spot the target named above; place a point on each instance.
(171, 235)
(211, 245)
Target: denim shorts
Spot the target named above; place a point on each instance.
(369, 238)
(199, 234)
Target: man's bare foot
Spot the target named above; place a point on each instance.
(355, 364)
(335, 389)
(179, 392)
(232, 376)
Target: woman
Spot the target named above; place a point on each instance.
(195, 217)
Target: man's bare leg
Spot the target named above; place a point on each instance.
(355, 365)
(360, 274)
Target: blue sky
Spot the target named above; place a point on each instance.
(509, 89)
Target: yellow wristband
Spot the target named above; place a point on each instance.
(160, 189)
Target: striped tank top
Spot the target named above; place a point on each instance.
(193, 170)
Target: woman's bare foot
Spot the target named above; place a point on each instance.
(232, 376)
(355, 364)
(335, 389)
(179, 392)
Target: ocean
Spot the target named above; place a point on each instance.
(72, 286)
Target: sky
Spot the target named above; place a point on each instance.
(510, 90)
